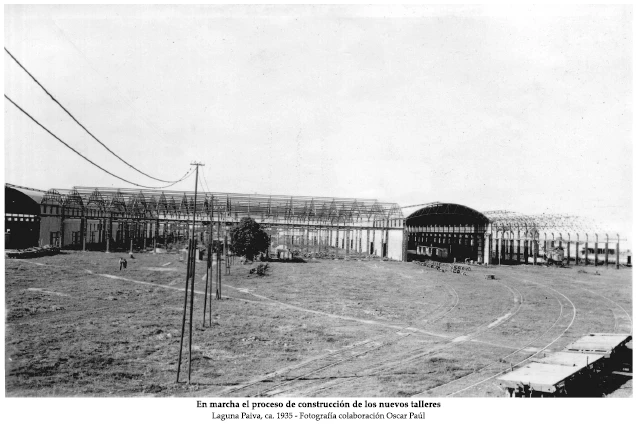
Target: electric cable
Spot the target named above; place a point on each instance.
(81, 125)
(207, 186)
(90, 161)
(204, 183)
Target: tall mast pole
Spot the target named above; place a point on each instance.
(193, 263)
(191, 273)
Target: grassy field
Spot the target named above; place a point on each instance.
(77, 326)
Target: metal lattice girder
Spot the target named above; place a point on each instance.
(74, 199)
(184, 208)
(152, 204)
(172, 207)
(52, 197)
(137, 203)
(96, 199)
(553, 226)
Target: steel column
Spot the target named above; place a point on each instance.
(83, 229)
(108, 232)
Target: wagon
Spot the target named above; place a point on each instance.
(581, 369)
(614, 347)
(540, 379)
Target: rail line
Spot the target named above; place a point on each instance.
(534, 354)
(412, 356)
(438, 315)
(626, 313)
(373, 344)
(418, 354)
(400, 332)
(386, 366)
(528, 344)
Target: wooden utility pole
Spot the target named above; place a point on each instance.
(210, 262)
(225, 252)
(191, 274)
(207, 276)
(218, 259)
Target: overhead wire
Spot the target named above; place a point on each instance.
(81, 125)
(90, 161)
(200, 180)
(206, 186)
(128, 101)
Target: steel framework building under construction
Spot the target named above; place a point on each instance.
(503, 237)
(515, 234)
(120, 219)
(105, 218)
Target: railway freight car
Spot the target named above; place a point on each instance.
(578, 370)
(614, 347)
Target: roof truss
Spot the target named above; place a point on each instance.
(154, 204)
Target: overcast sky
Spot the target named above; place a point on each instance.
(527, 110)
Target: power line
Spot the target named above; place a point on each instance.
(205, 186)
(200, 180)
(80, 124)
(125, 97)
(208, 187)
(99, 167)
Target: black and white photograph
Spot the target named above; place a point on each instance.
(397, 206)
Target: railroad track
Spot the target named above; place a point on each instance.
(617, 318)
(291, 379)
(257, 387)
(483, 369)
(485, 377)
(317, 385)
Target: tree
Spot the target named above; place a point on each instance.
(249, 239)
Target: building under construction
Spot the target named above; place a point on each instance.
(503, 237)
(108, 219)
(111, 219)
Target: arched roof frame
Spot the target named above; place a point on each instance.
(553, 226)
(445, 213)
(20, 201)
